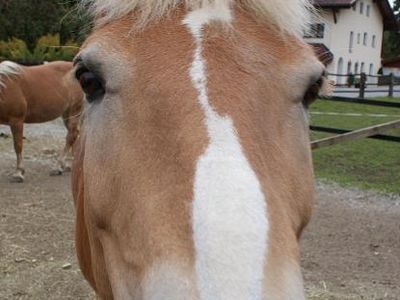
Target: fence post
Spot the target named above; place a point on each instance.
(363, 81)
(391, 85)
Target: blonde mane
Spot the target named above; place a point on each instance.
(8, 69)
(290, 16)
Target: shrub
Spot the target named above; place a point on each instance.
(14, 49)
(48, 48)
(69, 50)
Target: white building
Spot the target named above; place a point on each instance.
(391, 66)
(349, 34)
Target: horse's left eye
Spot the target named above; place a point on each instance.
(91, 85)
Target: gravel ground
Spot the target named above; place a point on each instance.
(351, 249)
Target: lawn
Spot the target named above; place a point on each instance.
(366, 163)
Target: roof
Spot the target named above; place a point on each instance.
(389, 18)
(323, 53)
(392, 63)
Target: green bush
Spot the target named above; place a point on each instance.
(13, 49)
(69, 50)
(48, 48)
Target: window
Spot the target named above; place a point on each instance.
(315, 31)
(356, 68)
(371, 69)
(358, 38)
(368, 10)
(365, 39)
(349, 67)
(362, 67)
(351, 44)
(374, 41)
(361, 7)
(340, 66)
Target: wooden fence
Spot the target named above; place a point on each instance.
(383, 84)
(343, 135)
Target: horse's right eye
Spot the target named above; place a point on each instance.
(312, 92)
(91, 84)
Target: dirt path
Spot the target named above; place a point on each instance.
(36, 223)
(351, 250)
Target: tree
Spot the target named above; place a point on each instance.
(29, 20)
(75, 24)
(391, 45)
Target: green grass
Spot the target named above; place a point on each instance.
(366, 163)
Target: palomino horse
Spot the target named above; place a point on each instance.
(193, 176)
(35, 95)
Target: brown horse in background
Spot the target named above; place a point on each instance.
(35, 95)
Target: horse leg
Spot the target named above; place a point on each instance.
(72, 135)
(72, 126)
(17, 129)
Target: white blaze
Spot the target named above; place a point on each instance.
(230, 222)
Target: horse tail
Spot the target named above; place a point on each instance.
(8, 69)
